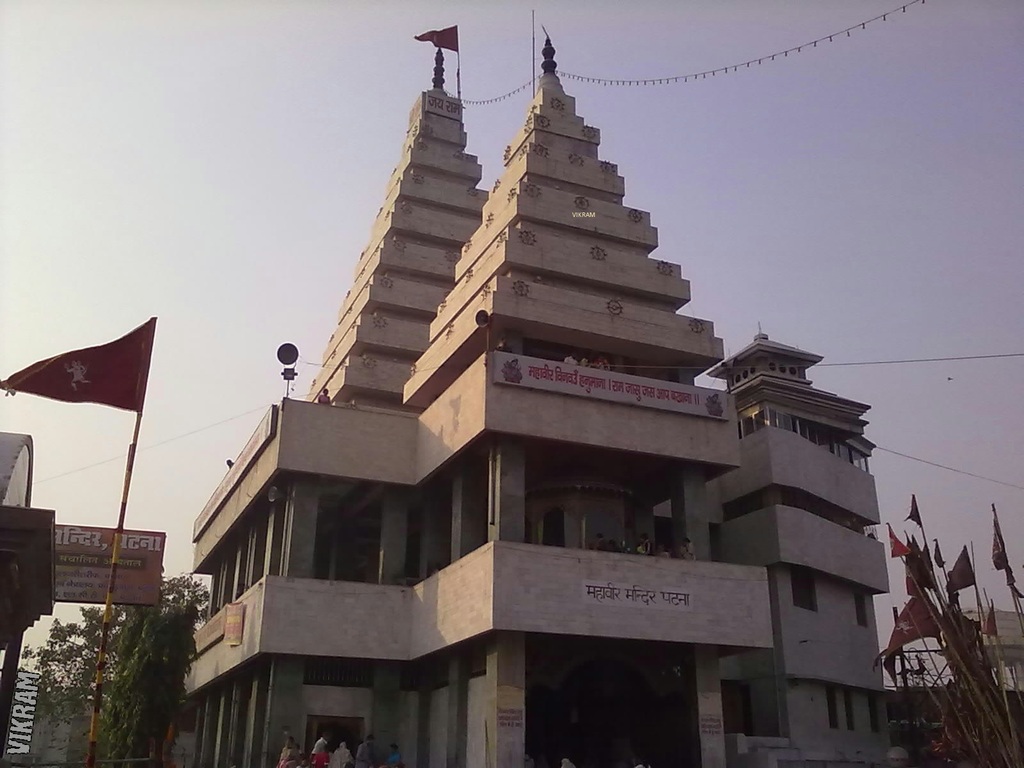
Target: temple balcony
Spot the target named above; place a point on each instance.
(779, 458)
(499, 586)
(782, 534)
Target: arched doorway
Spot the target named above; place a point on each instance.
(603, 715)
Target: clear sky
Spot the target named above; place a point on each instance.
(219, 165)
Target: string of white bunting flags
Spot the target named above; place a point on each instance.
(686, 78)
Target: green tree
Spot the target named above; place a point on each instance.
(155, 651)
(150, 652)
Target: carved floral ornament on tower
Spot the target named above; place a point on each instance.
(589, 132)
(635, 216)
(386, 281)
(527, 237)
(697, 325)
(582, 202)
(664, 268)
(557, 104)
(508, 153)
(614, 307)
(598, 253)
(540, 149)
(607, 167)
(532, 190)
(538, 121)
(379, 321)
(575, 159)
(521, 288)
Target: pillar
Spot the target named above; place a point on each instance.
(302, 508)
(386, 715)
(506, 700)
(707, 683)
(204, 749)
(238, 571)
(468, 513)
(254, 717)
(690, 513)
(423, 701)
(507, 491)
(274, 540)
(221, 727)
(458, 710)
(394, 531)
(236, 721)
(434, 542)
(285, 711)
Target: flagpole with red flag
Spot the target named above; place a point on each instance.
(114, 374)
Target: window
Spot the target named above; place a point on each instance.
(833, 714)
(848, 707)
(860, 604)
(873, 712)
(802, 582)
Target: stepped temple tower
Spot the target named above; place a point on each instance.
(501, 535)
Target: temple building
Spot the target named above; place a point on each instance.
(512, 525)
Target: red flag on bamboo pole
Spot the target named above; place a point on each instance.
(915, 622)
(962, 574)
(896, 547)
(113, 374)
(1000, 560)
(447, 38)
(915, 513)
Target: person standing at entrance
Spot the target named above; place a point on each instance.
(321, 755)
(364, 754)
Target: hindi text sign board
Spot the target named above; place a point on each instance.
(636, 596)
(234, 623)
(602, 384)
(82, 568)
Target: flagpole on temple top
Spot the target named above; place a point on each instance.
(108, 608)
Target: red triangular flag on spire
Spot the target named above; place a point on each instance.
(896, 547)
(915, 513)
(447, 38)
(113, 374)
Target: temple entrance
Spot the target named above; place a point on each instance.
(347, 729)
(604, 715)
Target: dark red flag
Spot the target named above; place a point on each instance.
(914, 623)
(915, 513)
(938, 556)
(989, 627)
(112, 374)
(962, 574)
(999, 560)
(896, 547)
(447, 38)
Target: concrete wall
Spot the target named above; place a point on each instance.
(773, 456)
(541, 589)
(501, 585)
(810, 730)
(780, 534)
(217, 657)
(334, 701)
(363, 443)
(351, 619)
(408, 707)
(827, 644)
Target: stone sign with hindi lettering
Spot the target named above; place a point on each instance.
(636, 596)
(82, 568)
(604, 384)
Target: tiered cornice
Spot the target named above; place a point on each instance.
(431, 207)
(559, 258)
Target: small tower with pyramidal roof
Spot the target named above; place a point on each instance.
(431, 207)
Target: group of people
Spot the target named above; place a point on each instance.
(644, 547)
(321, 757)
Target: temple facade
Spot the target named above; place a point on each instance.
(505, 523)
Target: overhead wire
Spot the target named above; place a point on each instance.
(702, 75)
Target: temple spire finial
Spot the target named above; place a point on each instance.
(439, 70)
(549, 64)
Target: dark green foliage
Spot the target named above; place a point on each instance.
(151, 652)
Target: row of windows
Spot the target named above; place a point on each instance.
(805, 594)
(819, 434)
(832, 700)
